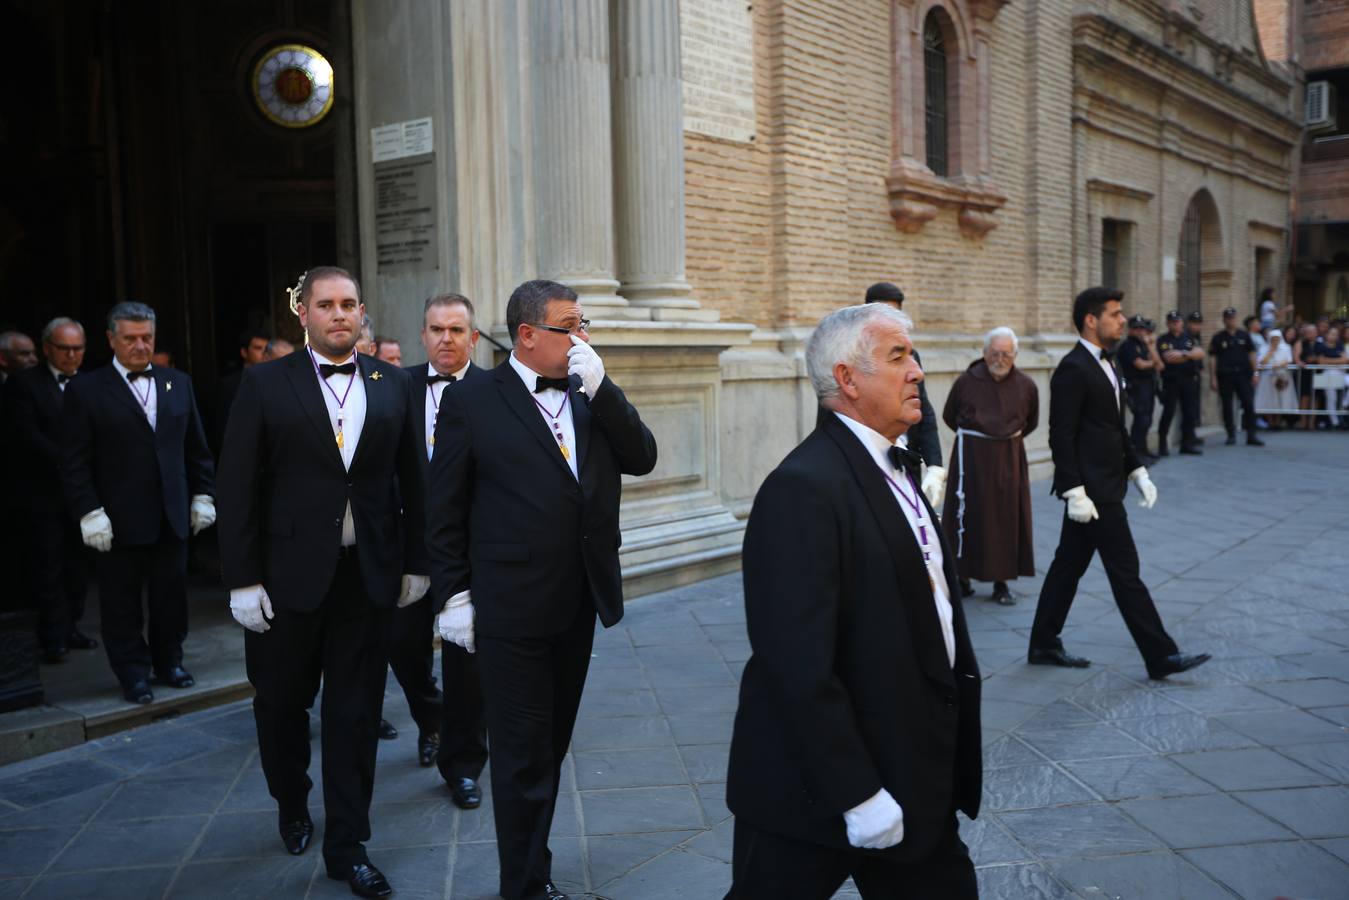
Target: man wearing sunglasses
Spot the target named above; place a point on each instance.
(523, 539)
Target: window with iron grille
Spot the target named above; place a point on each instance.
(935, 105)
(1188, 263)
(1110, 253)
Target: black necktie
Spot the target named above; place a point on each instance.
(143, 373)
(327, 369)
(907, 460)
(1107, 356)
(432, 379)
(544, 384)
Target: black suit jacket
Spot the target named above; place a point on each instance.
(33, 406)
(284, 490)
(509, 521)
(1087, 437)
(113, 459)
(417, 383)
(848, 688)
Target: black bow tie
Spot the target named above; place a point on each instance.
(326, 369)
(544, 384)
(906, 459)
(62, 377)
(432, 379)
(1107, 355)
(143, 373)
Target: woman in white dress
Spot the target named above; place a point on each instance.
(1276, 389)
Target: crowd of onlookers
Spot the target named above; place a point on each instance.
(1290, 352)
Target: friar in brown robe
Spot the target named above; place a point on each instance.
(987, 514)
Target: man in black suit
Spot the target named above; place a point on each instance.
(524, 544)
(321, 527)
(857, 735)
(1094, 461)
(253, 344)
(452, 730)
(57, 557)
(139, 478)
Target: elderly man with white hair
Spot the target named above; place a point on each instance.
(987, 516)
(857, 735)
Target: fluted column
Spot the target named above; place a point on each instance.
(572, 147)
(648, 115)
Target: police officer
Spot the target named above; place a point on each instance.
(1181, 359)
(1233, 354)
(1140, 365)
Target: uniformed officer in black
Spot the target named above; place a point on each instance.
(1181, 359)
(1194, 327)
(1139, 364)
(1233, 354)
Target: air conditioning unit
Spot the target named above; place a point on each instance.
(1320, 106)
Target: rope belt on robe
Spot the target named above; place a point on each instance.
(961, 434)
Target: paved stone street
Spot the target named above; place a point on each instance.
(1230, 780)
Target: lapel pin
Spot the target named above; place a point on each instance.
(168, 385)
(375, 376)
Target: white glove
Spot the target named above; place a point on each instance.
(455, 621)
(202, 513)
(876, 823)
(582, 360)
(414, 588)
(96, 529)
(251, 607)
(934, 485)
(1080, 507)
(1145, 487)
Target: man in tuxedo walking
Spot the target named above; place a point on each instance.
(1094, 461)
(139, 478)
(321, 535)
(452, 729)
(524, 544)
(857, 735)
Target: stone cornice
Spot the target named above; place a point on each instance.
(1119, 189)
(916, 194)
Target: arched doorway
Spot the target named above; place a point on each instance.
(1200, 262)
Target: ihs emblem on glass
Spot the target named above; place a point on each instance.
(293, 85)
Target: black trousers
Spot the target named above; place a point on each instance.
(160, 572)
(1238, 384)
(1110, 536)
(412, 661)
(767, 866)
(59, 573)
(532, 689)
(341, 642)
(463, 719)
(1142, 397)
(1182, 391)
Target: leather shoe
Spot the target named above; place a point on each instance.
(465, 793)
(1056, 656)
(428, 745)
(295, 834)
(1003, 596)
(138, 691)
(1231, 439)
(966, 589)
(1254, 441)
(176, 677)
(363, 879)
(386, 731)
(78, 640)
(552, 893)
(1176, 662)
(55, 654)
(1192, 450)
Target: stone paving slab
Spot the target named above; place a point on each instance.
(1229, 781)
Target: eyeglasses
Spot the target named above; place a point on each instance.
(66, 348)
(1001, 354)
(583, 325)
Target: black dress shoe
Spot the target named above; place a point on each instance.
(1192, 450)
(295, 834)
(428, 745)
(386, 731)
(78, 640)
(465, 793)
(1176, 662)
(1002, 596)
(55, 654)
(1056, 656)
(552, 893)
(1231, 439)
(138, 691)
(177, 677)
(1253, 441)
(966, 589)
(363, 879)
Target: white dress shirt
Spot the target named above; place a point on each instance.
(145, 391)
(553, 401)
(1106, 367)
(431, 406)
(878, 448)
(352, 413)
(56, 375)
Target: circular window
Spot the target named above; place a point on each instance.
(293, 85)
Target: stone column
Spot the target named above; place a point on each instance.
(648, 116)
(573, 149)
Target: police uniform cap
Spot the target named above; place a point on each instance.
(1149, 325)
(1196, 316)
(1230, 312)
(1174, 316)
(1137, 321)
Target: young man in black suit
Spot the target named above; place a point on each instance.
(452, 729)
(321, 535)
(57, 560)
(1094, 461)
(524, 544)
(139, 478)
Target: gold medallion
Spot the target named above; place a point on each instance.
(431, 440)
(340, 442)
(563, 448)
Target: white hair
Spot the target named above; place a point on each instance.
(844, 336)
(1002, 331)
(59, 322)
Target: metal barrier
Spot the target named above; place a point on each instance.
(1328, 385)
